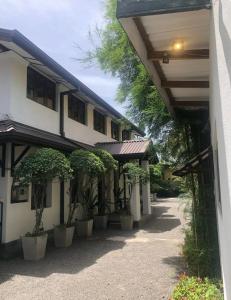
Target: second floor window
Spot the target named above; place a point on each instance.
(99, 122)
(40, 88)
(76, 109)
(126, 135)
(114, 130)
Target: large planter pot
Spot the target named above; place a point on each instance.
(34, 247)
(126, 222)
(84, 228)
(100, 222)
(63, 236)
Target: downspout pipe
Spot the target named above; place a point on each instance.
(61, 118)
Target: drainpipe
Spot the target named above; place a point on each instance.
(61, 118)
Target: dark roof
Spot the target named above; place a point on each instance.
(19, 39)
(133, 148)
(193, 163)
(13, 131)
(132, 8)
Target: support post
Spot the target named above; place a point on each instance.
(146, 191)
(135, 202)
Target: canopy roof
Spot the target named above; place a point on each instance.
(127, 149)
(193, 163)
(14, 131)
(153, 26)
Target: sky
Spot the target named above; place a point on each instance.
(57, 26)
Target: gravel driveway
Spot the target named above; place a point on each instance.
(142, 264)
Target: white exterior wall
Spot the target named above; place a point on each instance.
(220, 115)
(85, 133)
(15, 104)
(19, 218)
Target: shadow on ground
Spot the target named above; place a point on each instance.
(177, 262)
(82, 254)
(161, 221)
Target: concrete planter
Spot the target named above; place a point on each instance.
(34, 247)
(126, 222)
(63, 236)
(84, 228)
(100, 222)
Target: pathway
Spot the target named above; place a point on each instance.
(142, 264)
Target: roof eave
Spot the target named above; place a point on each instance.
(126, 9)
(19, 39)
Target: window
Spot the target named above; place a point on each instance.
(99, 122)
(19, 193)
(40, 89)
(76, 109)
(114, 130)
(126, 135)
(47, 198)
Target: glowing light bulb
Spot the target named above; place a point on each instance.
(178, 45)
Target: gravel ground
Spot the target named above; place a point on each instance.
(142, 264)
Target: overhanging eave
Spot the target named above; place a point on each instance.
(131, 8)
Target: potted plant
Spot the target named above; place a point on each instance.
(87, 167)
(64, 233)
(134, 174)
(38, 169)
(104, 201)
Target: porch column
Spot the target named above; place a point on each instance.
(146, 191)
(135, 202)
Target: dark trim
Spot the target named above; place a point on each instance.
(61, 110)
(14, 161)
(187, 54)
(3, 161)
(191, 103)
(144, 36)
(16, 37)
(129, 8)
(12, 156)
(184, 84)
(24, 152)
(62, 202)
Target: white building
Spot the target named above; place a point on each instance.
(195, 81)
(43, 105)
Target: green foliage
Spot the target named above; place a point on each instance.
(155, 172)
(135, 172)
(39, 168)
(116, 56)
(193, 288)
(86, 162)
(43, 166)
(109, 162)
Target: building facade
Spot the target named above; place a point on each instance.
(43, 105)
(186, 47)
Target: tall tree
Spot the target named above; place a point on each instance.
(115, 55)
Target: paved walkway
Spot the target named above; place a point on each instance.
(142, 264)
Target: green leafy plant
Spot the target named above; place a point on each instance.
(194, 288)
(134, 174)
(38, 169)
(110, 164)
(86, 166)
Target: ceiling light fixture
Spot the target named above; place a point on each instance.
(178, 45)
(166, 58)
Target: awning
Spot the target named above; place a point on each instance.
(192, 164)
(134, 149)
(154, 27)
(13, 131)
